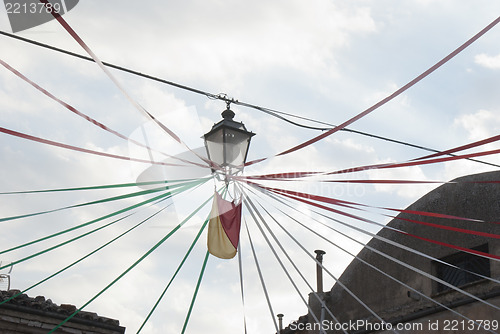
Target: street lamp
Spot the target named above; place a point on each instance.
(227, 144)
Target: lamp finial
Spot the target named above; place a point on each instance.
(228, 113)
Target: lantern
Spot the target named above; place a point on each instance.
(227, 144)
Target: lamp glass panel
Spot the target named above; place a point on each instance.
(236, 146)
(215, 147)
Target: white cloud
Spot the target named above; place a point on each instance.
(275, 53)
(226, 41)
(491, 62)
(480, 125)
(414, 173)
(402, 100)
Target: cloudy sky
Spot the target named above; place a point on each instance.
(323, 60)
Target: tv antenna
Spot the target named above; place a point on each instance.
(5, 279)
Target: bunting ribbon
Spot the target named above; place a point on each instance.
(463, 147)
(202, 228)
(90, 119)
(168, 184)
(351, 204)
(415, 163)
(145, 255)
(487, 255)
(372, 235)
(140, 108)
(429, 159)
(288, 177)
(105, 200)
(79, 149)
(84, 257)
(195, 294)
(414, 212)
(113, 214)
(390, 97)
(66, 105)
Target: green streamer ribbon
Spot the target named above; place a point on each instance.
(109, 186)
(162, 196)
(202, 272)
(173, 277)
(151, 250)
(68, 241)
(105, 200)
(86, 256)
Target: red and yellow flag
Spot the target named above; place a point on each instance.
(224, 228)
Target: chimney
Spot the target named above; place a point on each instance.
(319, 269)
(280, 322)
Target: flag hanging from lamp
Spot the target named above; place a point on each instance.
(224, 228)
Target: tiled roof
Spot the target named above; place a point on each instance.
(39, 303)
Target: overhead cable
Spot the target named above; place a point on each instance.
(272, 112)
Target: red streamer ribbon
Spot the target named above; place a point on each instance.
(487, 255)
(77, 38)
(415, 163)
(464, 147)
(392, 96)
(298, 196)
(351, 204)
(79, 149)
(450, 228)
(86, 117)
(467, 250)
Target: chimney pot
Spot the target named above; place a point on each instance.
(319, 269)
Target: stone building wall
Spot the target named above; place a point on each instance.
(394, 301)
